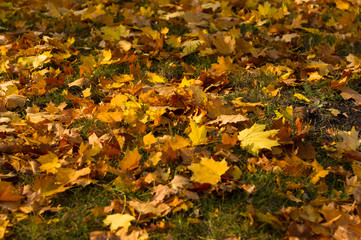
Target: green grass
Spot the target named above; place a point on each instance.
(216, 215)
(73, 221)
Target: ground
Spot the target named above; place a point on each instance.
(180, 119)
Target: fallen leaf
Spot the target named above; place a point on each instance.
(8, 193)
(348, 93)
(225, 119)
(49, 162)
(130, 160)
(225, 44)
(208, 170)
(255, 138)
(15, 100)
(118, 220)
(155, 78)
(350, 140)
(198, 135)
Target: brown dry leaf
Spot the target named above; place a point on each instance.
(348, 93)
(225, 44)
(103, 235)
(152, 208)
(8, 193)
(15, 100)
(350, 140)
(162, 192)
(180, 182)
(225, 119)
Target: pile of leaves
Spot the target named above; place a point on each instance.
(88, 97)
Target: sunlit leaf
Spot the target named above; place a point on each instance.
(114, 33)
(118, 220)
(130, 160)
(149, 139)
(198, 135)
(49, 162)
(191, 46)
(155, 78)
(255, 138)
(350, 140)
(208, 170)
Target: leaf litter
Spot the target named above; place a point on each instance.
(60, 48)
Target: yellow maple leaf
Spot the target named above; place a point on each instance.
(224, 65)
(191, 46)
(119, 100)
(115, 33)
(208, 170)
(35, 61)
(107, 55)
(118, 220)
(198, 135)
(49, 162)
(179, 142)
(266, 9)
(174, 41)
(186, 83)
(319, 172)
(155, 78)
(255, 138)
(350, 140)
(47, 186)
(110, 117)
(130, 160)
(149, 139)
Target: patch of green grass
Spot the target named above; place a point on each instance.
(200, 63)
(110, 70)
(218, 217)
(54, 96)
(74, 221)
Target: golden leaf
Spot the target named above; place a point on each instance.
(208, 170)
(149, 139)
(49, 162)
(302, 97)
(119, 100)
(130, 160)
(255, 138)
(115, 33)
(155, 78)
(198, 135)
(46, 185)
(118, 220)
(319, 172)
(110, 117)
